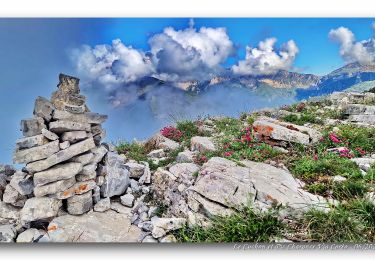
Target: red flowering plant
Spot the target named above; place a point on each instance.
(200, 159)
(172, 132)
(247, 146)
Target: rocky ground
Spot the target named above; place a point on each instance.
(299, 173)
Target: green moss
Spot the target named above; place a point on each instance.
(132, 150)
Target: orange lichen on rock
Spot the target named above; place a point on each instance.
(52, 228)
(263, 129)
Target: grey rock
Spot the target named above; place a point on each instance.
(366, 119)
(159, 153)
(84, 159)
(100, 180)
(145, 226)
(61, 156)
(68, 84)
(62, 126)
(99, 153)
(146, 177)
(134, 185)
(127, 200)
(358, 109)
(57, 173)
(158, 141)
(49, 135)
(80, 204)
(117, 179)
(8, 233)
(74, 136)
(145, 190)
(364, 163)
(8, 213)
(54, 187)
(43, 108)
(91, 118)
(32, 141)
(149, 239)
(22, 182)
(185, 157)
(88, 173)
(284, 131)
(39, 209)
(7, 170)
(12, 197)
(31, 235)
(338, 178)
(36, 153)
(75, 109)
(158, 232)
(102, 205)
(184, 172)
(143, 216)
(202, 144)
(168, 239)
(64, 145)
(96, 194)
(94, 227)
(152, 211)
(32, 126)
(168, 224)
(77, 189)
(119, 208)
(136, 170)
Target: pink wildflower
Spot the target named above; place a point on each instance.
(334, 138)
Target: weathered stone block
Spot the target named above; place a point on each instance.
(62, 126)
(32, 126)
(43, 108)
(36, 153)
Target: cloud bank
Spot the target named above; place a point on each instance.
(352, 50)
(174, 56)
(265, 59)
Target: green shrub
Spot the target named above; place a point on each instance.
(188, 128)
(349, 189)
(242, 226)
(132, 150)
(338, 225)
(309, 169)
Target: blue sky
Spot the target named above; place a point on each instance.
(34, 51)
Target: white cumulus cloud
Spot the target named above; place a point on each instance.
(265, 59)
(112, 64)
(190, 54)
(352, 50)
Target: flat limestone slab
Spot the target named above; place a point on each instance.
(61, 156)
(62, 126)
(89, 117)
(104, 227)
(57, 173)
(36, 153)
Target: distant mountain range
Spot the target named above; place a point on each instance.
(305, 85)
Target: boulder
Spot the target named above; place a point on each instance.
(54, 187)
(146, 177)
(74, 136)
(358, 109)
(32, 126)
(365, 119)
(166, 225)
(99, 153)
(117, 179)
(184, 172)
(268, 128)
(159, 153)
(43, 108)
(61, 156)
(31, 235)
(202, 144)
(57, 173)
(62, 126)
(22, 182)
(80, 204)
(103, 227)
(41, 209)
(36, 153)
(8, 233)
(32, 141)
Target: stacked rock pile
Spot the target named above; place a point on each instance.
(62, 150)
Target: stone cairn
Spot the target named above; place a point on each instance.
(67, 169)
